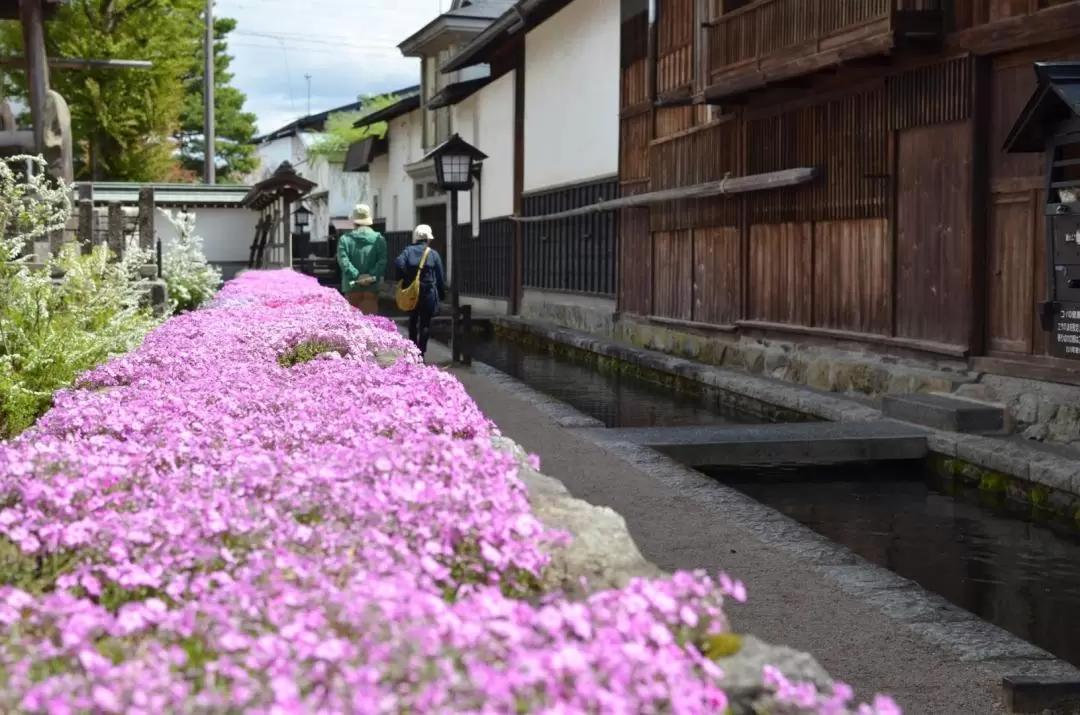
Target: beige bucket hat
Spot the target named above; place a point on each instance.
(361, 215)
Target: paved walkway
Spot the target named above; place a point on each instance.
(790, 602)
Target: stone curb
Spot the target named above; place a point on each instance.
(998, 455)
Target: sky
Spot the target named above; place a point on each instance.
(351, 50)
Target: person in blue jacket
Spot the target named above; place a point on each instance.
(432, 283)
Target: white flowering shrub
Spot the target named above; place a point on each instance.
(51, 330)
(191, 280)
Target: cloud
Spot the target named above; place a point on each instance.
(350, 50)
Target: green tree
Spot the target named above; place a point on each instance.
(122, 120)
(234, 128)
(340, 133)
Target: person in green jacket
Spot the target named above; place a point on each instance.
(361, 254)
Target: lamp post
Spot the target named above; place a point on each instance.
(455, 163)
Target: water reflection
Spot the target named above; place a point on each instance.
(1021, 576)
(616, 400)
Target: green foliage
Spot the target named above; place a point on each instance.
(53, 329)
(190, 279)
(308, 351)
(123, 120)
(234, 128)
(340, 133)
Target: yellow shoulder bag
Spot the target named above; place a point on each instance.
(407, 298)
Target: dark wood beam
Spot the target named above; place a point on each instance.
(1049, 25)
(727, 186)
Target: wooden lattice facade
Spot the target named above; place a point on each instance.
(921, 235)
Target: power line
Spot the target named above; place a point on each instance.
(276, 47)
(322, 40)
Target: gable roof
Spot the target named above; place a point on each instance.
(466, 18)
(1056, 99)
(317, 122)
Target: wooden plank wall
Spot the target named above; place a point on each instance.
(635, 131)
(826, 258)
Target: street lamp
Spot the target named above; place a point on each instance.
(302, 218)
(455, 163)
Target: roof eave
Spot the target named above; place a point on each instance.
(458, 92)
(398, 109)
(420, 41)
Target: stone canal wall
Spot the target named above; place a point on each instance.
(1005, 469)
(1038, 411)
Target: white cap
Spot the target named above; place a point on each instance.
(422, 233)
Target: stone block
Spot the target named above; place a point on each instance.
(945, 413)
(1034, 694)
(792, 443)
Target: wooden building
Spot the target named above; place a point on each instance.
(921, 237)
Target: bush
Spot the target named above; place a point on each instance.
(191, 280)
(53, 329)
(206, 530)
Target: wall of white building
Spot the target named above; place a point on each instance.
(405, 147)
(270, 155)
(344, 189)
(227, 233)
(495, 137)
(378, 177)
(572, 95)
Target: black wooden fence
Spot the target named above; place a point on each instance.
(575, 254)
(396, 241)
(487, 260)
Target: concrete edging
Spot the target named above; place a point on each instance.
(1023, 473)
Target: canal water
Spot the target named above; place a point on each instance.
(1021, 576)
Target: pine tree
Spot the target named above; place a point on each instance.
(122, 119)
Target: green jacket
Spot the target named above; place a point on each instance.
(361, 252)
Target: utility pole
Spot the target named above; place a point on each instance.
(308, 78)
(209, 140)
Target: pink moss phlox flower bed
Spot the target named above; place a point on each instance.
(203, 526)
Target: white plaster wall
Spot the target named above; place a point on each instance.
(405, 147)
(572, 95)
(270, 155)
(346, 189)
(378, 185)
(227, 233)
(495, 137)
(464, 122)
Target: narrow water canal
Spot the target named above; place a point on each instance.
(1021, 576)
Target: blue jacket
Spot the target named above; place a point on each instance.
(433, 277)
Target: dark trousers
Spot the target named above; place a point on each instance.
(420, 319)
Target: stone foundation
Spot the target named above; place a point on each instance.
(1028, 472)
(1039, 411)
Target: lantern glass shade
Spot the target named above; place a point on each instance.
(303, 217)
(454, 171)
(454, 162)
